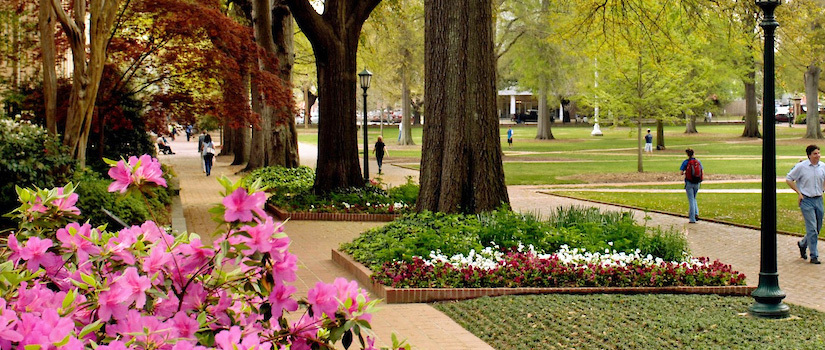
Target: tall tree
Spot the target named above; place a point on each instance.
(801, 38)
(334, 37)
(461, 168)
(46, 22)
(276, 140)
(87, 64)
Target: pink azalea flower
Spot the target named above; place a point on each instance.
(260, 236)
(66, 203)
(8, 323)
(14, 247)
(111, 302)
(184, 326)
(149, 170)
(156, 260)
(239, 205)
(227, 340)
(134, 287)
(38, 206)
(122, 173)
(78, 239)
(35, 253)
(281, 299)
(284, 267)
(323, 299)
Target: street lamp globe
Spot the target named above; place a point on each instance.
(365, 76)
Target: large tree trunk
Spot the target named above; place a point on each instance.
(47, 47)
(461, 168)
(334, 38)
(285, 134)
(276, 142)
(544, 132)
(690, 123)
(86, 74)
(751, 111)
(406, 129)
(660, 134)
(812, 97)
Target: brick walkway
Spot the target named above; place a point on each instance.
(423, 326)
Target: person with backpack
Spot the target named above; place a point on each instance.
(694, 174)
(807, 179)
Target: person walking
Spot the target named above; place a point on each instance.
(200, 149)
(807, 179)
(380, 150)
(208, 153)
(510, 136)
(693, 171)
(648, 142)
(188, 130)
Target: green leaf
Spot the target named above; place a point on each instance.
(91, 327)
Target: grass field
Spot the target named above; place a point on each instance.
(632, 322)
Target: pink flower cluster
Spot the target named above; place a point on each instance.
(136, 172)
(85, 288)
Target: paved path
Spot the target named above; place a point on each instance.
(423, 326)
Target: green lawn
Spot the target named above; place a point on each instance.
(632, 322)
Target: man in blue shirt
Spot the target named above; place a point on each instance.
(649, 142)
(807, 179)
(510, 136)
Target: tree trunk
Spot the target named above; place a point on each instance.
(544, 132)
(660, 134)
(86, 74)
(812, 97)
(276, 142)
(690, 123)
(461, 168)
(47, 47)
(751, 111)
(334, 38)
(640, 167)
(406, 130)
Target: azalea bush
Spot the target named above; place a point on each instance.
(71, 285)
(565, 268)
(132, 208)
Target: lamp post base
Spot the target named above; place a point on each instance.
(768, 298)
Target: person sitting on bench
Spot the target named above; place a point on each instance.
(163, 145)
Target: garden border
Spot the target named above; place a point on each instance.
(393, 295)
(284, 215)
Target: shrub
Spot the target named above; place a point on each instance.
(30, 157)
(283, 181)
(94, 197)
(450, 234)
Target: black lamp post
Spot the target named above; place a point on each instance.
(364, 78)
(768, 297)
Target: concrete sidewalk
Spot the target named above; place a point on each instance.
(423, 326)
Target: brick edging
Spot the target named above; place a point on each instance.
(425, 295)
(283, 215)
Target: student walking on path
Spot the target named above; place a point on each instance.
(380, 149)
(807, 179)
(208, 153)
(692, 170)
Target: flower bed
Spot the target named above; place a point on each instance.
(292, 193)
(462, 254)
(565, 268)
